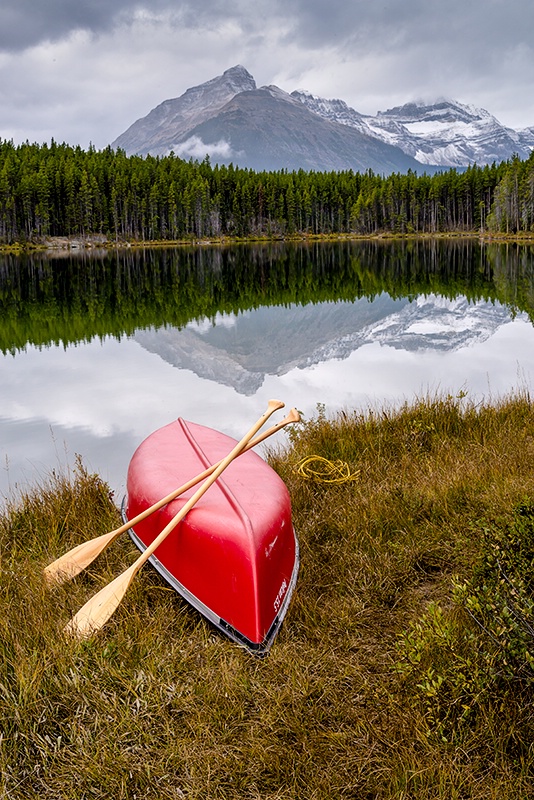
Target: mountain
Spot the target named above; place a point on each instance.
(241, 350)
(446, 133)
(233, 121)
(166, 124)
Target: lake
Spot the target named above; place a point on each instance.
(98, 349)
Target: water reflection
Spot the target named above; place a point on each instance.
(98, 352)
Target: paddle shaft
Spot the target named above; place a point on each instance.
(79, 557)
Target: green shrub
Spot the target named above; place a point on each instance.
(477, 655)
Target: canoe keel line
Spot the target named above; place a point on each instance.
(235, 555)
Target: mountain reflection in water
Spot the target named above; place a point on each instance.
(99, 351)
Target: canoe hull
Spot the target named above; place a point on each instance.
(235, 555)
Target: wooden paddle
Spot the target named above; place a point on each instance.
(74, 561)
(99, 608)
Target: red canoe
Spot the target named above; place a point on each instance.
(235, 555)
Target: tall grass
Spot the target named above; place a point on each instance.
(363, 693)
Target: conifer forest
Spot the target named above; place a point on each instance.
(60, 190)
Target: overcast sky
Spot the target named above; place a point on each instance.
(82, 71)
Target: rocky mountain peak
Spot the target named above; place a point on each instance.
(219, 90)
(171, 120)
(238, 77)
(335, 110)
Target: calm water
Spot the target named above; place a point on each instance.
(98, 351)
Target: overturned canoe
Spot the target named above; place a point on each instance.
(234, 556)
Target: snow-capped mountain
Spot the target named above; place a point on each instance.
(445, 133)
(232, 120)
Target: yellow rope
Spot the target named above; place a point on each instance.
(329, 471)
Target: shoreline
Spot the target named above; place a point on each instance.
(92, 242)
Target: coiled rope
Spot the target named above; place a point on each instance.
(324, 470)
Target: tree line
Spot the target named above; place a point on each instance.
(59, 190)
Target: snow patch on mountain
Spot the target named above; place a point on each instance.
(444, 133)
(333, 110)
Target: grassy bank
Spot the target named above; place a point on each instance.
(404, 668)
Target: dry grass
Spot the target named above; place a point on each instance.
(160, 706)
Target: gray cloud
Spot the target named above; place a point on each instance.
(484, 24)
(481, 23)
(84, 70)
(24, 23)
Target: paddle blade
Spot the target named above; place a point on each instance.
(99, 608)
(72, 563)
(293, 416)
